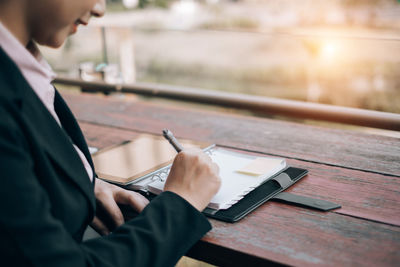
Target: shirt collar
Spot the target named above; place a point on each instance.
(29, 60)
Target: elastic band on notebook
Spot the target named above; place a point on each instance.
(283, 180)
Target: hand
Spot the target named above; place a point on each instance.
(108, 214)
(194, 177)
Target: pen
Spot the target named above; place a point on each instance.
(172, 140)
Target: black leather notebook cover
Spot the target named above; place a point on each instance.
(259, 195)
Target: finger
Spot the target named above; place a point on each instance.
(99, 226)
(206, 157)
(215, 167)
(133, 199)
(111, 208)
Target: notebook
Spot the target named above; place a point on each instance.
(248, 181)
(143, 164)
(240, 173)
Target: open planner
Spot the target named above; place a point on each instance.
(143, 164)
(240, 173)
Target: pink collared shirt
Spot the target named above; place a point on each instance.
(39, 75)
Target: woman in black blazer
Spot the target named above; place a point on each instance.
(49, 191)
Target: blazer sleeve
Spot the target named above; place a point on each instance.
(159, 236)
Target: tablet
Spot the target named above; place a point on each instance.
(130, 161)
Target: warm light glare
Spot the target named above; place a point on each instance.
(329, 50)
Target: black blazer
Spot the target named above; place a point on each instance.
(47, 200)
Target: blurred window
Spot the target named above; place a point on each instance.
(335, 52)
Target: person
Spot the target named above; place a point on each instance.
(49, 192)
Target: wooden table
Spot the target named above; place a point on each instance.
(359, 171)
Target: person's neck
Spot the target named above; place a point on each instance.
(13, 17)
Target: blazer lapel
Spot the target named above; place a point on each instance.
(56, 142)
(71, 126)
(44, 130)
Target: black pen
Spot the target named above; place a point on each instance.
(172, 140)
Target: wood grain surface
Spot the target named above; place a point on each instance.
(350, 188)
(358, 171)
(350, 149)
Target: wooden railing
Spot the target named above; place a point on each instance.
(274, 106)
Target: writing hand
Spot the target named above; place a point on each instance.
(194, 177)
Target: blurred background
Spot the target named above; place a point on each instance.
(340, 52)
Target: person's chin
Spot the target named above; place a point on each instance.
(54, 41)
